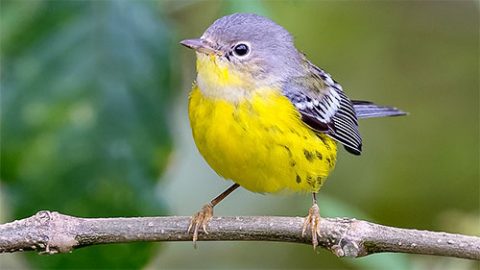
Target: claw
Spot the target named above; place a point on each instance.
(200, 219)
(312, 221)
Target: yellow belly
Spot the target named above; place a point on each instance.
(260, 143)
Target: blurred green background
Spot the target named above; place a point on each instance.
(94, 123)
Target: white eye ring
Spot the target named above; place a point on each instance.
(241, 49)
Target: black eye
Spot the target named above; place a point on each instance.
(241, 49)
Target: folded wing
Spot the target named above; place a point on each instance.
(325, 108)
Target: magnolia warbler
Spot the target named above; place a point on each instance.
(265, 117)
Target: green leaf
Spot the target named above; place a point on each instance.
(85, 103)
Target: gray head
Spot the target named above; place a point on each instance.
(251, 43)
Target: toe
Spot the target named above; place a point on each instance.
(312, 221)
(200, 220)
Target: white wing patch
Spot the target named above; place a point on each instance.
(327, 110)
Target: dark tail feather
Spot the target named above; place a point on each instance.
(366, 109)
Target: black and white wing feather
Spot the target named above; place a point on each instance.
(325, 108)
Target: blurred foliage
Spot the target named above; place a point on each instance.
(86, 94)
(86, 91)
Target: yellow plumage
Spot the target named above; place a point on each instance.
(254, 135)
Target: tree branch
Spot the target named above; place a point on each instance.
(51, 232)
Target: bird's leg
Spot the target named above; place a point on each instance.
(203, 216)
(313, 221)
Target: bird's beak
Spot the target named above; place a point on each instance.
(200, 45)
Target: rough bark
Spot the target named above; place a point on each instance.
(52, 232)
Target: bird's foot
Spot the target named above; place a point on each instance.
(312, 221)
(200, 219)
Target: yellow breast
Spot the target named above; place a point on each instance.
(260, 141)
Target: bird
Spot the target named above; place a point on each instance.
(265, 117)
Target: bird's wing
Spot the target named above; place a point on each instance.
(325, 108)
